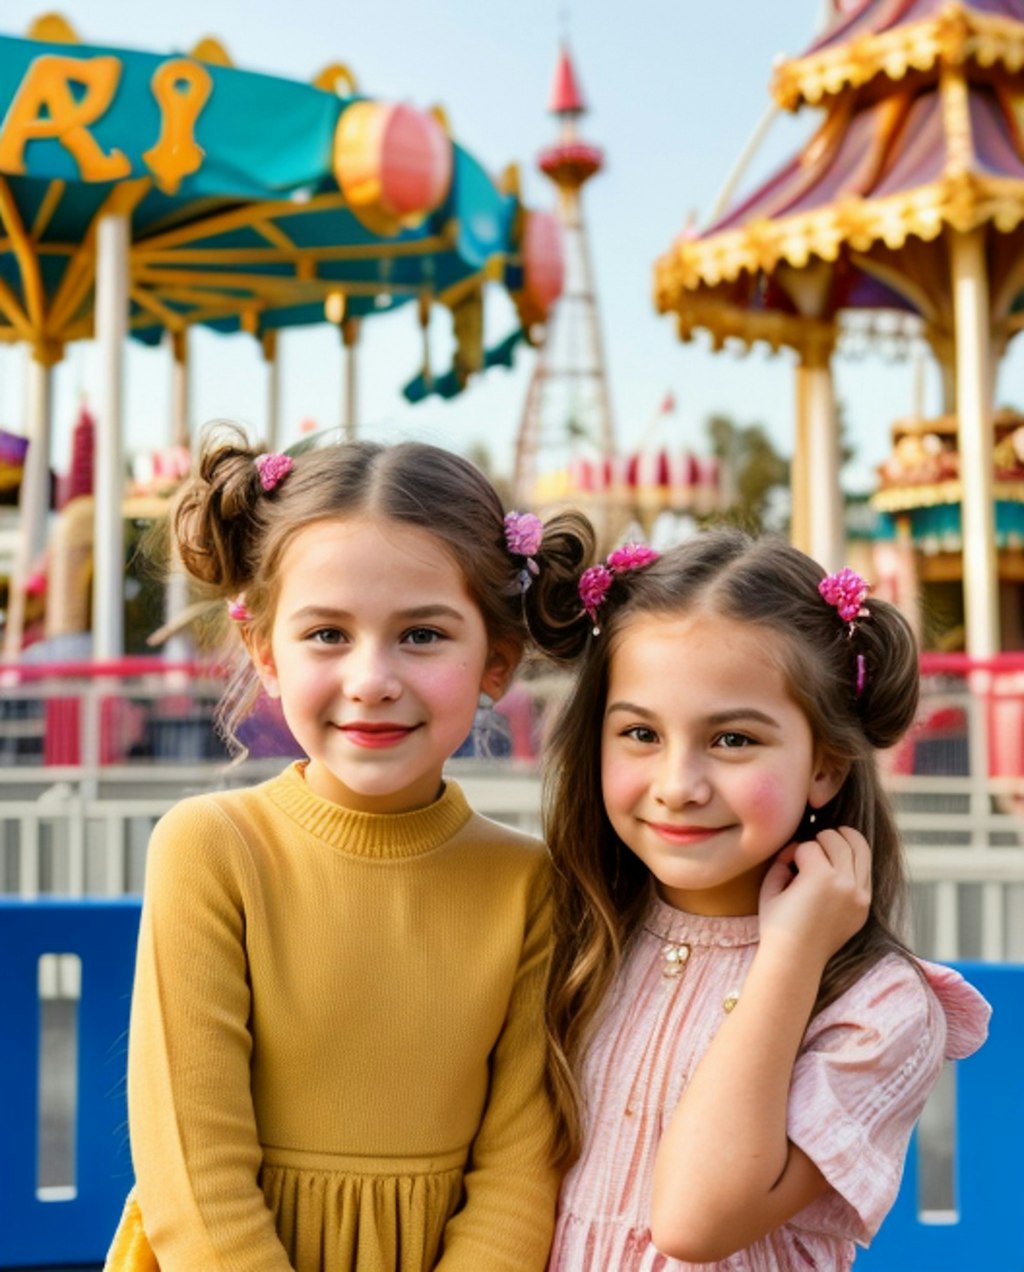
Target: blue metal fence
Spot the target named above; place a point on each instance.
(74, 1225)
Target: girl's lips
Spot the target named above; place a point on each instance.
(683, 834)
(376, 736)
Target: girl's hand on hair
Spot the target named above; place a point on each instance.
(817, 894)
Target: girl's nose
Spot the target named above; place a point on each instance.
(681, 780)
(368, 676)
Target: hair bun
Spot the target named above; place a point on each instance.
(556, 620)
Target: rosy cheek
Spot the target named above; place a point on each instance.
(771, 797)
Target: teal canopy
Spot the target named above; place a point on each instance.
(237, 218)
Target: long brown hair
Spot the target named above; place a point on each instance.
(601, 887)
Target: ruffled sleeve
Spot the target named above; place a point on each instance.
(867, 1066)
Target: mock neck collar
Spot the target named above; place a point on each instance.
(380, 836)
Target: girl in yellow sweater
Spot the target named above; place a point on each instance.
(337, 1050)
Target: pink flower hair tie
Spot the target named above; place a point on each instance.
(272, 467)
(595, 582)
(523, 535)
(847, 591)
(238, 611)
(593, 587)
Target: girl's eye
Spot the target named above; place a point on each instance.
(422, 636)
(733, 741)
(327, 636)
(640, 733)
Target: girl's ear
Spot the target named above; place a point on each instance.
(828, 777)
(263, 661)
(502, 661)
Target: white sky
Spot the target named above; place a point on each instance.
(676, 89)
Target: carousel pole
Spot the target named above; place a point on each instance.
(825, 493)
(799, 496)
(180, 390)
(350, 340)
(179, 646)
(34, 501)
(976, 440)
(111, 329)
(817, 526)
(268, 343)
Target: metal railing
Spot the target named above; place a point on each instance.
(128, 740)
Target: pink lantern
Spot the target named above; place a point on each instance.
(393, 164)
(543, 259)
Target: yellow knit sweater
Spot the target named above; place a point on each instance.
(336, 1048)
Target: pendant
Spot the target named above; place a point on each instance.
(673, 960)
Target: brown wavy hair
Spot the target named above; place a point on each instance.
(231, 535)
(601, 888)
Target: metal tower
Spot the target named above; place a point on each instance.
(567, 412)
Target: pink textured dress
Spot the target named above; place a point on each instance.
(865, 1068)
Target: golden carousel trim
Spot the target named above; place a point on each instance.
(954, 37)
(962, 201)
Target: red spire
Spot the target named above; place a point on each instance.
(566, 98)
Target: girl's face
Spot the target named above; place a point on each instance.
(378, 654)
(707, 763)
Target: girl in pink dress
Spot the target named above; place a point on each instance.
(740, 1041)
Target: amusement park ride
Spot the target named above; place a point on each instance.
(566, 453)
(131, 203)
(908, 201)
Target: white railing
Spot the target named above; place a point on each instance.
(81, 829)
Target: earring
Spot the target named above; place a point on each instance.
(807, 828)
(491, 737)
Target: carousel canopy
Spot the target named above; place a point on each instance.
(252, 199)
(850, 221)
(902, 38)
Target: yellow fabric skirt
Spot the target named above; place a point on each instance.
(334, 1221)
(129, 1251)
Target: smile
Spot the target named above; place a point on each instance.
(376, 736)
(683, 834)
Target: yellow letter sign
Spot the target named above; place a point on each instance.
(45, 108)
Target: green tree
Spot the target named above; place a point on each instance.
(752, 471)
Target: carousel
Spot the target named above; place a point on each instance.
(144, 194)
(904, 209)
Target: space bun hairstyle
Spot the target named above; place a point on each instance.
(856, 681)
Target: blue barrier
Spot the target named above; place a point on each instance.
(35, 1231)
(987, 1232)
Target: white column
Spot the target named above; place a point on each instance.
(977, 441)
(111, 330)
(350, 341)
(799, 516)
(181, 390)
(817, 526)
(826, 531)
(270, 356)
(34, 499)
(179, 646)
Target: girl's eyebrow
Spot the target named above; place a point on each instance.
(743, 713)
(631, 708)
(717, 718)
(415, 613)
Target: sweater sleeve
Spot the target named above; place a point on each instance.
(506, 1221)
(195, 1147)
